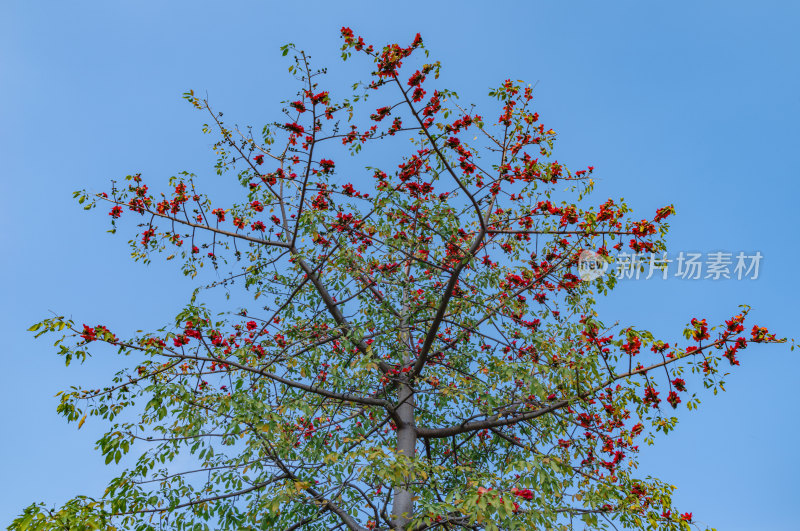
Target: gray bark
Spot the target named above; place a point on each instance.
(403, 503)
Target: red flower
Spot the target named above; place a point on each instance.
(686, 517)
(679, 384)
(147, 235)
(348, 190)
(638, 490)
(673, 399)
(88, 334)
(632, 346)
(258, 207)
(730, 353)
(651, 396)
(327, 165)
(259, 159)
(700, 330)
(116, 212)
(180, 340)
(258, 225)
(322, 97)
(380, 114)
(525, 494)
(295, 128)
(220, 213)
(662, 213)
(760, 334)
(251, 325)
(735, 324)
(414, 81)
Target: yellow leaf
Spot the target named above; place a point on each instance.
(81, 422)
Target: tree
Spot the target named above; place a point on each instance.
(408, 351)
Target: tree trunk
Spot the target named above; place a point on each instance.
(403, 503)
(403, 506)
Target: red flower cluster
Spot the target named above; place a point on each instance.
(700, 331)
(663, 212)
(180, 340)
(220, 213)
(759, 334)
(98, 332)
(673, 399)
(380, 114)
(462, 123)
(327, 165)
(525, 494)
(88, 334)
(632, 346)
(147, 235)
(651, 396)
(295, 128)
(321, 97)
(350, 40)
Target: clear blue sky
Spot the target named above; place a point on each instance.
(691, 103)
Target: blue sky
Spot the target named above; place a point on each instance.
(690, 103)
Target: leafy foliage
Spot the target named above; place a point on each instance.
(414, 349)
